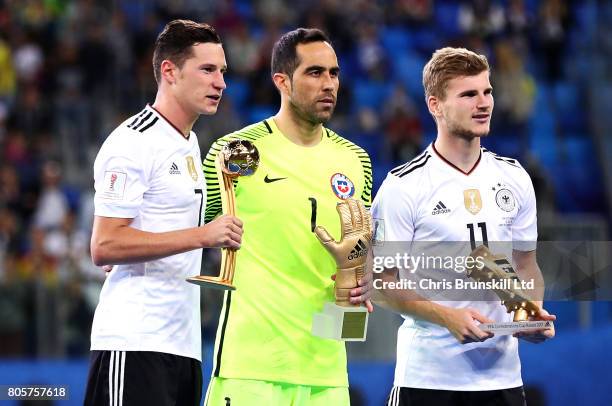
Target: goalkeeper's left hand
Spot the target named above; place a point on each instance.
(353, 283)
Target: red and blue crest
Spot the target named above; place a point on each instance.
(342, 186)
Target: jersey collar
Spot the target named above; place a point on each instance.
(448, 163)
(273, 129)
(169, 123)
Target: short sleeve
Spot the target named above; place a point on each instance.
(393, 213)
(525, 228)
(120, 181)
(366, 165)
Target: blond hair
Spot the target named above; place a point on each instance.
(448, 63)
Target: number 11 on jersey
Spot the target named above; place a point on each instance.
(483, 228)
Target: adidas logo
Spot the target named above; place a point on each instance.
(440, 209)
(174, 169)
(359, 250)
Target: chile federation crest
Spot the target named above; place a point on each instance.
(342, 186)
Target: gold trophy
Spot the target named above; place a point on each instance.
(236, 158)
(507, 285)
(343, 320)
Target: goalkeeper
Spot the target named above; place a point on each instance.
(265, 353)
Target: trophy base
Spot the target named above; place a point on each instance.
(211, 282)
(341, 323)
(511, 327)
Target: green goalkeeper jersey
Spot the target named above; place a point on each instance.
(283, 273)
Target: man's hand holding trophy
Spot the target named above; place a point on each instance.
(236, 158)
(344, 320)
(528, 319)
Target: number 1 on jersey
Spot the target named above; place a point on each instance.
(313, 213)
(483, 228)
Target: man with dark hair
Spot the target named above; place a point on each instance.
(265, 352)
(457, 191)
(145, 339)
(285, 58)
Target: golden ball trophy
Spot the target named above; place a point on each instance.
(344, 320)
(236, 158)
(504, 281)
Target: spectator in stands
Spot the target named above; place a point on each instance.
(514, 93)
(402, 126)
(553, 24)
(481, 17)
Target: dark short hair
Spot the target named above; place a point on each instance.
(175, 41)
(284, 54)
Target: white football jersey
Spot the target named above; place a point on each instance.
(429, 199)
(147, 171)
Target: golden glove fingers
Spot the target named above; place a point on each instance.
(351, 251)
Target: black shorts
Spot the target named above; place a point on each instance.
(136, 378)
(401, 396)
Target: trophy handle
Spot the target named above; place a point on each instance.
(228, 206)
(522, 309)
(228, 256)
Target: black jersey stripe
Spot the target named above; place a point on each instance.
(258, 130)
(215, 203)
(136, 118)
(142, 120)
(363, 158)
(500, 158)
(215, 206)
(415, 160)
(228, 302)
(268, 126)
(503, 158)
(149, 125)
(509, 161)
(217, 146)
(254, 134)
(215, 198)
(409, 168)
(412, 168)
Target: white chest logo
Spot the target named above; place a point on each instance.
(505, 200)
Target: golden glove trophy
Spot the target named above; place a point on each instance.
(236, 158)
(506, 284)
(343, 320)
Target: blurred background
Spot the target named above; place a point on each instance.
(72, 70)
